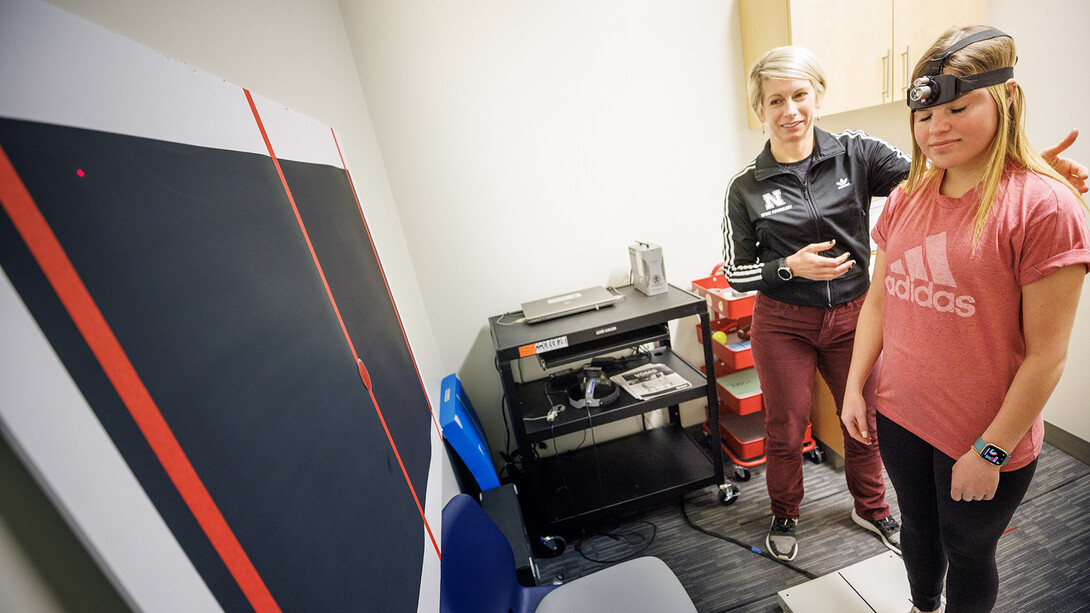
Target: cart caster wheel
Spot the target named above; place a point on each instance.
(816, 455)
(741, 473)
(728, 494)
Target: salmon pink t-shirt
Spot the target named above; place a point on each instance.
(951, 323)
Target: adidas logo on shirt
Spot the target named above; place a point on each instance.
(908, 279)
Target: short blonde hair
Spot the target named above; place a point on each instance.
(792, 62)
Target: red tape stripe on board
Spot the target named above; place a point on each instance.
(359, 363)
(382, 271)
(81, 307)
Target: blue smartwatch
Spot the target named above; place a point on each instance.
(990, 452)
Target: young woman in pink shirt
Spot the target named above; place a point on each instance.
(980, 265)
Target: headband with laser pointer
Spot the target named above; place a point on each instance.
(936, 88)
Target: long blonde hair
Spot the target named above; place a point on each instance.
(1010, 144)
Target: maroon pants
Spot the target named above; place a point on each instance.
(789, 343)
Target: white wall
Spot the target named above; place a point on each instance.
(1051, 43)
(529, 143)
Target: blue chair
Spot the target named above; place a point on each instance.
(478, 576)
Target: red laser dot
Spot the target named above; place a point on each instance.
(79, 172)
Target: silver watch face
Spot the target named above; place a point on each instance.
(785, 273)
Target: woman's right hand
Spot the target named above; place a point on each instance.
(854, 416)
(808, 262)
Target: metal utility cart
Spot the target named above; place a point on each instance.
(611, 478)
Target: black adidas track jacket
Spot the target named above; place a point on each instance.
(769, 214)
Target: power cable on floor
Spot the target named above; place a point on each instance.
(751, 548)
(631, 537)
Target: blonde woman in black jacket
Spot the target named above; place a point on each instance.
(796, 229)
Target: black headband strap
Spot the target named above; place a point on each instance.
(985, 79)
(937, 62)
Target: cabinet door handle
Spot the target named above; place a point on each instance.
(887, 75)
(907, 56)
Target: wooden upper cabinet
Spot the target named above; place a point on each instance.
(917, 23)
(867, 48)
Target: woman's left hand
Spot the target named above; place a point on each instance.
(973, 478)
(854, 416)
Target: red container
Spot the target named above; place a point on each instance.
(743, 435)
(720, 324)
(743, 438)
(740, 392)
(735, 353)
(722, 300)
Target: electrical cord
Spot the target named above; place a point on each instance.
(505, 409)
(560, 465)
(631, 537)
(756, 550)
(556, 452)
(500, 322)
(616, 292)
(593, 441)
(557, 409)
(551, 416)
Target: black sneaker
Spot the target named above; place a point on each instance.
(887, 529)
(781, 541)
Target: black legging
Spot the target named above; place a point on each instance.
(937, 531)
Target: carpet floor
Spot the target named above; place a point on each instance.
(1044, 558)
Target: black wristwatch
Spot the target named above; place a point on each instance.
(783, 271)
(990, 452)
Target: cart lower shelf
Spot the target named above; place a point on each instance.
(624, 474)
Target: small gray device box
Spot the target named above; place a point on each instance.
(568, 304)
(648, 273)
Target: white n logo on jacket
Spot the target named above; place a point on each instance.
(773, 199)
